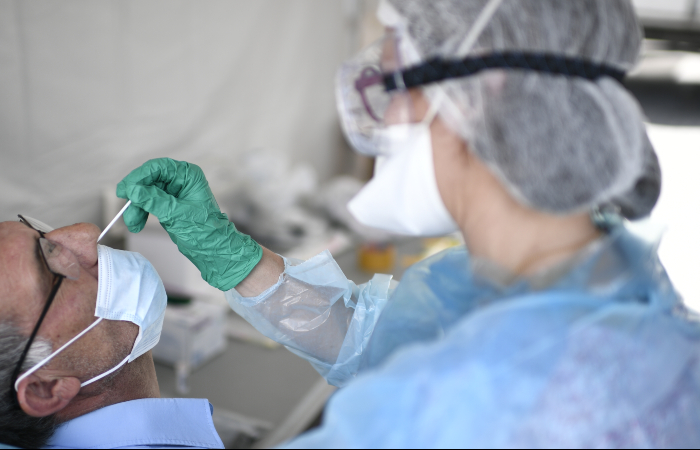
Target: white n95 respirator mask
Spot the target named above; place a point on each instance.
(403, 195)
(129, 289)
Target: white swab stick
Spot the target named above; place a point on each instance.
(111, 224)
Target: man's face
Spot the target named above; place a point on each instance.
(25, 285)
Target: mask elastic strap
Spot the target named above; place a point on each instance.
(118, 366)
(54, 354)
(433, 110)
(109, 372)
(478, 27)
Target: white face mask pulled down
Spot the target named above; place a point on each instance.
(403, 195)
(129, 289)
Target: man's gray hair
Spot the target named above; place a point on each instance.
(16, 427)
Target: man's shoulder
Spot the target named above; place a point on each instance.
(156, 422)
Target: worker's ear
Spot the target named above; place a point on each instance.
(41, 396)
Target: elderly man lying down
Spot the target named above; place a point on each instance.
(77, 323)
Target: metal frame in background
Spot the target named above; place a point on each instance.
(684, 34)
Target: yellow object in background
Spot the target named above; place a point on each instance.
(376, 258)
(432, 246)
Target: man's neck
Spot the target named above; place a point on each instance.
(135, 381)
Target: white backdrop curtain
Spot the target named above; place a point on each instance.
(90, 89)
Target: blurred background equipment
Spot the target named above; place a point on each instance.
(90, 89)
(677, 21)
(268, 197)
(194, 332)
(96, 87)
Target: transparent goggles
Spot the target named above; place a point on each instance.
(365, 104)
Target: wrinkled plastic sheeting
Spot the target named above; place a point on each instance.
(606, 356)
(318, 314)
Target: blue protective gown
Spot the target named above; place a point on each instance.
(599, 353)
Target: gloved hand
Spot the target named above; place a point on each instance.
(179, 195)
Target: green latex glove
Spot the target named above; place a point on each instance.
(178, 194)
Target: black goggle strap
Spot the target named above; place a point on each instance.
(437, 70)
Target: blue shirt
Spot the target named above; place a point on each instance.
(146, 423)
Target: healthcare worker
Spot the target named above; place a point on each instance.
(554, 326)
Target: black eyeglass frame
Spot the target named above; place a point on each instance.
(57, 282)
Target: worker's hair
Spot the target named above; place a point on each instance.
(16, 427)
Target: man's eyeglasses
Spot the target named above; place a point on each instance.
(62, 264)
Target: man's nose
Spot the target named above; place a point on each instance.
(81, 239)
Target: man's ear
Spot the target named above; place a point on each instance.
(41, 397)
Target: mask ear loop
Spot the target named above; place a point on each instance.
(480, 24)
(109, 372)
(118, 366)
(68, 344)
(432, 111)
(478, 27)
(54, 354)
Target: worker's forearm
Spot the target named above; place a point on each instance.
(263, 276)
